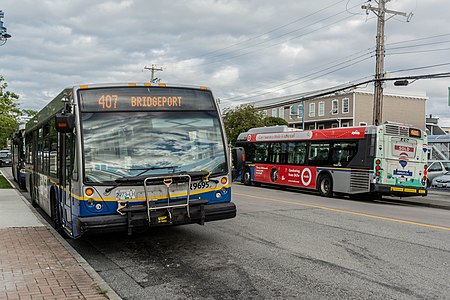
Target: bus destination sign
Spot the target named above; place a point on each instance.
(145, 99)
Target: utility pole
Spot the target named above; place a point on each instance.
(380, 12)
(153, 70)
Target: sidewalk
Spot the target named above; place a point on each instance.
(37, 263)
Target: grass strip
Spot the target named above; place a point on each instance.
(4, 184)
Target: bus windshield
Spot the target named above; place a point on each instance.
(123, 144)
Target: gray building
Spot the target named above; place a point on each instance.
(344, 109)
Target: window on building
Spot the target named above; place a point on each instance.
(281, 112)
(320, 126)
(334, 125)
(312, 109)
(311, 127)
(274, 112)
(293, 111)
(346, 124)
(321, 108)
(362, 123)
(335, 106)
(345, 107)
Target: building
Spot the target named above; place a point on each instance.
(433, 127)
(344, 109)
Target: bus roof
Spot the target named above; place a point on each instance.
(283, 134)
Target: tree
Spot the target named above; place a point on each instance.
(241, 119)
(273, 121)
(9, 112)
(244, 117)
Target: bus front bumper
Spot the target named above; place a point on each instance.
(136, 217)
(399, 191)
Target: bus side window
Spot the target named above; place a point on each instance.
(343, 153)
(297, 153)
(261, 152)
(319, 153)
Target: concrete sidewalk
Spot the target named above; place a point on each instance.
(36, 262)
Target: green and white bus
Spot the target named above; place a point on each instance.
(389, 159)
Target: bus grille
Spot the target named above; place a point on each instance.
(397, 130)
(359, 182)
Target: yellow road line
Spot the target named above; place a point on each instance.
(346, 212)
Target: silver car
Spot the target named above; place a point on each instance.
(437, 168)
(5, 158)
(442, 181)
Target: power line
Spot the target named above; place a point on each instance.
(419, 51)
(270, 31)
(276, 38)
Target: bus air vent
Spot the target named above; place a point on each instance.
(397, 130)
(359, 182)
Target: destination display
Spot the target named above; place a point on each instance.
(137, 98)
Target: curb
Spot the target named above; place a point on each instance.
(111, 294)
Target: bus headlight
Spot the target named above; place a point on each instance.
(218, 195)
(98, 206)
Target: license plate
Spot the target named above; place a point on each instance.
(401, 179)
(125, 194)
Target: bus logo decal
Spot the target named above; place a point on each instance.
(306, 176)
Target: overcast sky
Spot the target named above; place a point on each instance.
(244, 51)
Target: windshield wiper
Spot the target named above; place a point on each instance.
(137, 177)
(194, 175)
(152, 168)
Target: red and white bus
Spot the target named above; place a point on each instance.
(389, 159)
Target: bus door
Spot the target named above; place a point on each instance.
(67, 147)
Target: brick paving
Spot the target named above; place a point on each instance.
(35, 265)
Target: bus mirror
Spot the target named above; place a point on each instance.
(64, 123)
(237, 159)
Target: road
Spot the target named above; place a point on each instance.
(284, 245)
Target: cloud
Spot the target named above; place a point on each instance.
(243, 50)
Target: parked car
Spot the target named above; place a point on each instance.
(442, 181)
(5, 158)
(437, 168)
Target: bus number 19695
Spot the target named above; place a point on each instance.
(199, 185)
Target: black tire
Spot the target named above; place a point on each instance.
(22, 185)
(32, 195)
(325, 185)
(246, 177)
(55, 212)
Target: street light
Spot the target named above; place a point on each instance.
(401, 82)
(4, 36)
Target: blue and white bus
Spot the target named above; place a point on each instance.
(129, 156)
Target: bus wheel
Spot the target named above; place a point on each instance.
(32, 195)
(22, 185)
(246, 178)
(55, 215)
(325, 185)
